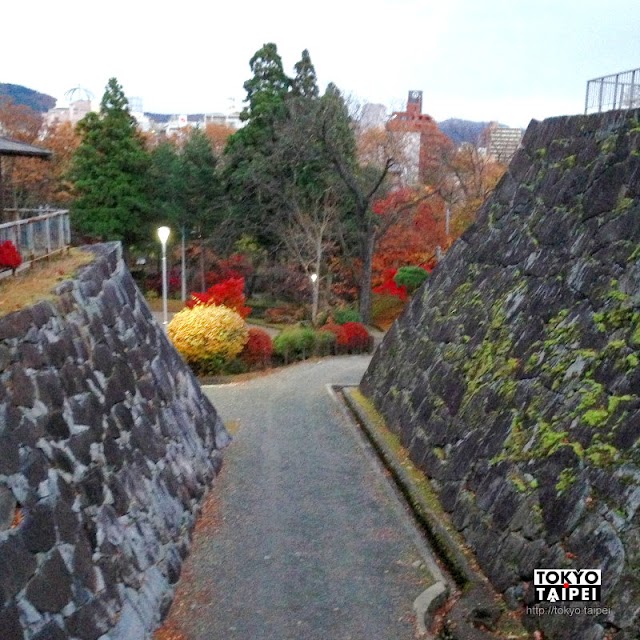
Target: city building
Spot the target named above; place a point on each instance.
(421, 139)
(501, 142)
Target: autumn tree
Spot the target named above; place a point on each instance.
(464, 177)
(414, 236)
(109, 173)
(20, 123)
(218, 135)
(46, 183)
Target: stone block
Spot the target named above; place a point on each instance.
(50, 589)
(10, 625)
(17, 565)
(38, 530)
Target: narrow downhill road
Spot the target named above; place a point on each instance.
(300, 538)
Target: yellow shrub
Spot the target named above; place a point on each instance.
(208, 332)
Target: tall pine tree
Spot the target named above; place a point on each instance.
(250, 175)
(305, 83)
(109, 173)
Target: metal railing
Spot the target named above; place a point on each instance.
(617, 91)
(37, 236)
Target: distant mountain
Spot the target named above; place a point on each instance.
(40, 102)
(462, 130)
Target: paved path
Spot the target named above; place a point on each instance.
(301, 538)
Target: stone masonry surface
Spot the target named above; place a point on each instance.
(107, 446)
(514, 379)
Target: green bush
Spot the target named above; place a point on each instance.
(295, 343)
(325, 343)
(344, 315)
(410, 277)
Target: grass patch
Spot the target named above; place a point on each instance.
(37, 283)
(173, 306)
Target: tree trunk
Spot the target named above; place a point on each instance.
(369, 243)
(203, 284)
(316, 282)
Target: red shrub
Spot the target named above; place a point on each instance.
(229, 293)
(9, 256)
(259, 348)
(338, 331)
(389, 286)
(356, 336)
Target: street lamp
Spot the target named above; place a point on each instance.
(163, 234)
(314, 300)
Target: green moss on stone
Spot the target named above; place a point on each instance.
(566, 479)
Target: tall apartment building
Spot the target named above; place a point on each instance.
(501, 142)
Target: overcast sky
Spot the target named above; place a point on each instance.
(505, 60)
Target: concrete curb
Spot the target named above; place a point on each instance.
(431, 599)
(444, 543)
(477, 602)
(427, 603)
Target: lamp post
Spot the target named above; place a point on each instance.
(163, 234)
(314, 292)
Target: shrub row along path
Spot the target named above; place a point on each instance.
(301, 537)
(376, 333)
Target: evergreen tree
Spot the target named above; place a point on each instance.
(109, 173)
(199, 182)
(165, 184)
(305, 83)
(266, 89)
(249, 175)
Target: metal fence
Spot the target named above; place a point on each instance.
(617, 91)
(37, 236)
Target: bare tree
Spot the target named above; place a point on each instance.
(309, 234)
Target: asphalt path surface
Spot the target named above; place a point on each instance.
(301, 537)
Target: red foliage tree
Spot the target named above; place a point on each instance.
(10, 257)
(229, 293)
(237, 265)
(414, 236)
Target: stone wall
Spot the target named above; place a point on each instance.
(514, 379)
(107, 446)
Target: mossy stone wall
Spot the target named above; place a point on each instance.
(514, 379)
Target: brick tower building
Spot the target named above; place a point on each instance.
(423, 140)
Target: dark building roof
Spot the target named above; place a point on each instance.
(9, 147)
